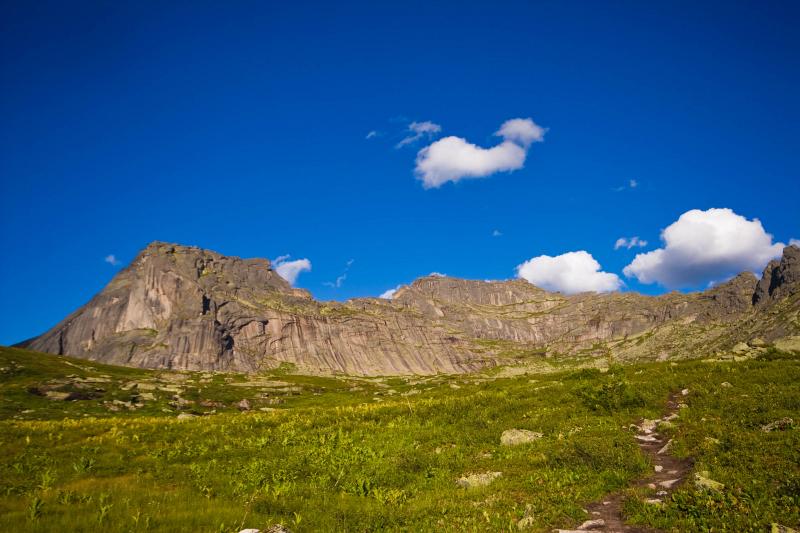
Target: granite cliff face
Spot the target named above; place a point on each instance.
(185, 308)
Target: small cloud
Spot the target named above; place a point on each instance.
(454, 158)
(437, 275)
(497, 233)
(705, 245)
(570, 273)
(336, 284)
(794, 242)
(418, 131)
(340, 280)
(633, 242)
(372, 134)
(632, 184)
(389, 294)
(289, 270)
(111, 259)
(522, 131)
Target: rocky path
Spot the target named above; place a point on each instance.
(669, 473)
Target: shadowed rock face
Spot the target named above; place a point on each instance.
(186, 308)
(781, 279)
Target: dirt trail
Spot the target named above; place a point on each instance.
(670, 472)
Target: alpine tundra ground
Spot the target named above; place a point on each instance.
(89, 447)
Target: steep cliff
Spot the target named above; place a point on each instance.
(186, 308)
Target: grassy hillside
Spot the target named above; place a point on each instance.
(90, 447)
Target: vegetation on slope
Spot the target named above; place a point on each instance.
(351, 454)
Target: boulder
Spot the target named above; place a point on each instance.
(471, 481)
(514, 437)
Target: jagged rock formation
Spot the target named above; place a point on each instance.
(781, 278)
(185, 308)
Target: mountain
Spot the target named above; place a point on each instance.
(182, 307)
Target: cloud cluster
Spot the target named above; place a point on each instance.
(570, 273)
(633, 242)
(111, 259)
(289, 270)
(454, 158)
(418, 130)
(705, 245)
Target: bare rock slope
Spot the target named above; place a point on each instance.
(186, 308)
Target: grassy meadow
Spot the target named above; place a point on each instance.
(89, 447)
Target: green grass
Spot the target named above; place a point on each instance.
(350, 454)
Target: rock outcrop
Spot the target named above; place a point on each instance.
(781, 278)
(182, 307)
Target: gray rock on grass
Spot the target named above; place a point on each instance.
(514, 437)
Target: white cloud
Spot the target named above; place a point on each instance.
(497, 233)
(340, 279)
(522, 131)
(570, 273)
(289, 270)
(633, 242)
(389, 294)
(437, 275)
(111, 259)
(795, 242)
(632, 184)
(371, 134)
(418, 131)
(336, 284)
(705, 245)
(453, 158)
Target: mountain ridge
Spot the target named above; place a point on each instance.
(188, 308)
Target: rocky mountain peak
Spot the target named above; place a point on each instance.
(781, 278)
(184, 307)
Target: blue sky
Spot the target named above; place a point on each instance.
(241, 127)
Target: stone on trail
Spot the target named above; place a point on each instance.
(685, 392)
(647, 426)
(186, 416)
(658, 468)
(477, 480)
(592, 524)
(666, 447)
(646, 438)
(513, 437)
(668, 483)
